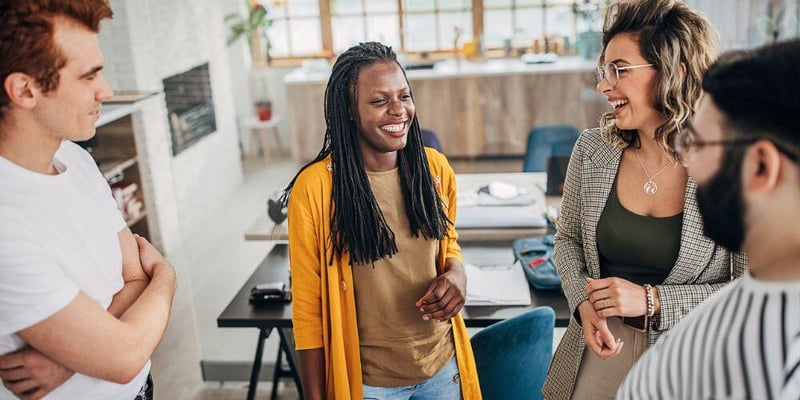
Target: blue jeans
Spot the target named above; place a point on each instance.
(445, 385)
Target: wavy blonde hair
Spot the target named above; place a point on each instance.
(672, 37)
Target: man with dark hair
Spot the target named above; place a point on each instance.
(743, 149)
(83, 302)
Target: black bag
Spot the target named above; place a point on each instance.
(536, 256)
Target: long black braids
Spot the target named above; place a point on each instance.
(357, 223)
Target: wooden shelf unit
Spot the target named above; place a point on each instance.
(117, 158)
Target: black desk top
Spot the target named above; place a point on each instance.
(275, 267)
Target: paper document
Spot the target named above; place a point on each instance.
(497, 285)
(500, 217)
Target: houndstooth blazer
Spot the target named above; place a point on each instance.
(701, 269)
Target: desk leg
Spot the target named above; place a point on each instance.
(286, 347)
(287, 344)
(263, 334)
(277, 372)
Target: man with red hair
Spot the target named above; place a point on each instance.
(83, 301)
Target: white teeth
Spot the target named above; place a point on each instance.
(393, 128)
(617, 103)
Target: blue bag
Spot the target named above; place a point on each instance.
(536, 256)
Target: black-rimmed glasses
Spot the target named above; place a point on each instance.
(610, 72)
(687, 144)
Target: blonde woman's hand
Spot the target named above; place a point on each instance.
(596, 334)
(616, 297)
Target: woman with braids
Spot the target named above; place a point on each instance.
(630, 247)
(377, 276)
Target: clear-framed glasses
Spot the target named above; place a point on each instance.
(610, 72)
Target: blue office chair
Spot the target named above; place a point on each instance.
(548, 141)
(512, 356)
(429, 139)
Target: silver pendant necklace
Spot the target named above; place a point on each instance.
(650, 187)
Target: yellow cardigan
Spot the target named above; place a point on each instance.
(323, 306)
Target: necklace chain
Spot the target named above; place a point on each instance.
(650, 187)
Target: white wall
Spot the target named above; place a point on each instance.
(147, 41)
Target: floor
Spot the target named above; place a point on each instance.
(221, 260)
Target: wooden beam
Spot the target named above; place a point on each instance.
(325, 25)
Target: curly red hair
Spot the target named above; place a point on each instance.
(26, 37)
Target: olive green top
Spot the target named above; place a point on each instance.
(635, 247)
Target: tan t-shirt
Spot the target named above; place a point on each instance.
(398, 348)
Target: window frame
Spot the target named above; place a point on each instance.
(477, 9)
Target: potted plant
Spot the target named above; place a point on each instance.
(254, 27)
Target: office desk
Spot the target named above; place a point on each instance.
(534, 182)
(275, 267)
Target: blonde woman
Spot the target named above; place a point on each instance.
(630, 247)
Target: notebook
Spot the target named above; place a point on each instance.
(492, 285)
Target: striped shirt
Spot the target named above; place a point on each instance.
(742, 343)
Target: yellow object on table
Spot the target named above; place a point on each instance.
(470, 49)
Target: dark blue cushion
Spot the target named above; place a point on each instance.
(548, 141)
(512, 356)
(429, 139)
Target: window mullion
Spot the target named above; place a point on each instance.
(402, 24)
(477, 20)
(438, 23)
(325, 26)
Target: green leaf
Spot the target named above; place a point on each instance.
(257, 16)
(231, 17)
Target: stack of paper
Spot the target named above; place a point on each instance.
(497, 285)
(500, 217)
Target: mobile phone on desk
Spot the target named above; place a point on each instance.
(270, 292)
(273, 288)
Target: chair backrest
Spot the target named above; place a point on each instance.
(548, 141)
(429, 139)
(512, 356)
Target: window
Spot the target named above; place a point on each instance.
(431, 25)
(354, 21)
(295, 30)
(307, 28)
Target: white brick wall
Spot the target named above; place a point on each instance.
(147, 41)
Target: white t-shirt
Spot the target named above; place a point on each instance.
(58, 236)
(742, 343)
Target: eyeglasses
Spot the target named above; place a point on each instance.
(610, 72)
(686, 145)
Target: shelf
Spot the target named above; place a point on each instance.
(120, 105)
(134, 221)
(129, 97)
(113, 168)
(116, 156)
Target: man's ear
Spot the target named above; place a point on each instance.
(762, 166)
(20, 88)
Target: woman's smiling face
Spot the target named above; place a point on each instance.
(384, 111)
(631, 96)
